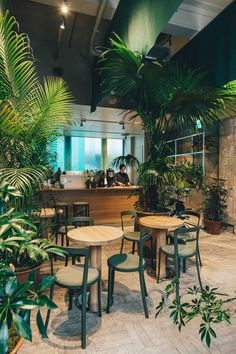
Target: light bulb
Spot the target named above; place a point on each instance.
(64, 8)
(62, 25)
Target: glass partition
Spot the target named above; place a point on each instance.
(114, 149)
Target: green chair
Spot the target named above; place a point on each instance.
(179, 251)
(70, 224)
(191, 219)
(132, 236)
(128, 263)
(77, 277)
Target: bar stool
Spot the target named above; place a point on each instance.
(64, 206)
(79, 207)
(61, 220)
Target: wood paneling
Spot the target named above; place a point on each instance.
(105, 203)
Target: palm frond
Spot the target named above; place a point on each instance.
(24, 179)
(128, 160)
(17, 70)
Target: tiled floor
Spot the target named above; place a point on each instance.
(126, 330)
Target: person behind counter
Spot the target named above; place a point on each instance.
(121, 178)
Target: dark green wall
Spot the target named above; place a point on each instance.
(139, 22)
(214, 48)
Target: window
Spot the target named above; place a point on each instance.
(114, 149)
(85, 154)
(93, 154)
(58, 149)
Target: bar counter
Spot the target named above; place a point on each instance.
(105, 203)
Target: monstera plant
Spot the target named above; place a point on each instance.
(31, 114)
(168, 98)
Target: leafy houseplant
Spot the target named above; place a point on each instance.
(16, 303)
(215, 197)
(32, 114)
(207, 303)
(168, 99)
(90, 178)
(20, 244)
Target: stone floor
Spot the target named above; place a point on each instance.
(125, 329)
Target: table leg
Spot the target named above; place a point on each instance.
(161, 241)
(95, 262)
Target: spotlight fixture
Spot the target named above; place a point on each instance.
(123, 127)
(82, 120)
(63, 23)
(64, 7)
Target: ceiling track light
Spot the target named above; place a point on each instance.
(64, 7)
(63, 23)
(81, 124)
(123, 126)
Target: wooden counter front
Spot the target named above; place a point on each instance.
(105, 204)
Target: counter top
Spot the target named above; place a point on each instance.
(129, 188)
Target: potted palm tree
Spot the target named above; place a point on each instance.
(215, 197)
(32, 114)
(168, 99)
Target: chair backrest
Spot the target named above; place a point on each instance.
(146, 234)
(186, 215)
(79, 221)
(75, 252)
(131, 213)
(186, 230)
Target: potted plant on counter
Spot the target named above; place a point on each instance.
(215, 197)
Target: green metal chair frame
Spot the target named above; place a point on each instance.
(127, 237)
(75, 253)
(178, 255)
(77, 221)
(113, 265)
(184, 215)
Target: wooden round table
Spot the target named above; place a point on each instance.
(47, 213)
(95, 237)
(160, 225)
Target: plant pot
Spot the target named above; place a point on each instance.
(213, 227)
(23, 275)
(18, 345)
(88, 184)
(93, 184)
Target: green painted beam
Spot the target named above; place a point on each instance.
(139, 22)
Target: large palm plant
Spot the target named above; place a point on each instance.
(32, 114)
(168, 99)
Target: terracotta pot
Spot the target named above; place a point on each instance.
(213, 227)
(18, 345)
(23, 275)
